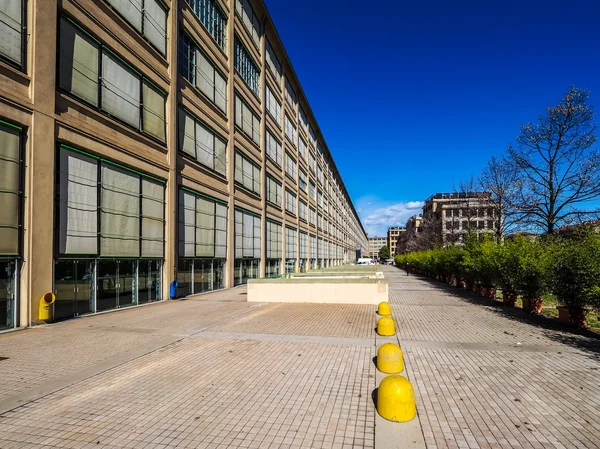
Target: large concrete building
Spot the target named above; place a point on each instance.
(375, 244)
(393, 234)
(145, 144)
(458, 213)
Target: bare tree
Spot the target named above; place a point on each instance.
(556, 165)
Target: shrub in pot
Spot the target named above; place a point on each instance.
(532, 277)
(508, 269)
(576, 277)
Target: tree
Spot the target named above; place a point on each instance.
(384, 253)
(557, 168)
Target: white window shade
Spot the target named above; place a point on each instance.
(120, 206)
(120, 90)
(204, 145)
(220, 156)
(187, 135)
(256, 240)
(131, 10)
(10, 29)
(155, 24)
(154, 112)
(248, 235)
(9, 190)
(78, 209)
(187, 224)
(205, 76)
(220, 91)
(153, 209)
(78, 63)
(205, 228)
(220, 231)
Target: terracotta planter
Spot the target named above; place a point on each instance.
(573, 315)
(509, 299)
(488, 292)
(462, 283)
(533, 305)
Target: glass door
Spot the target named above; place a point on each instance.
(8, 276)
(149, 279)
(127, 283)
(73, 287)
(84, 288)
(107, 274)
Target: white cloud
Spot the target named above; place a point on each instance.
(376, 218)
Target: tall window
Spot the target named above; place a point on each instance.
(302, 119)
(313, 246)
(290, 95)
(149, 17)
(302, 210)
(247, 235)
(119, 89)
(273, 105)
(108, 210)
(274, 238)
(201, 72)
(13, 32)
(290, 166)
(302, 180)
(273, 191)
(272, 61)
(312, 216)
(201, 143)
(249, 18)
(247, 173)
(319, 175)
(246, 67)
(312, 137)
(290, 130)
(247, 120)
(290, 202)
(202, 226)
(311, 189)
(274, 151)
(291, 246)
(319, 198)
(302, 148)
(303, 245)
(10, 190)
(311, 162)
(213, 19)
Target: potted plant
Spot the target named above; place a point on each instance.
(532, 279)
(508, 269)
(576, 277)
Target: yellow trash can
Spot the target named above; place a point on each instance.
(390, 359)
(45, 310)
(396, 399)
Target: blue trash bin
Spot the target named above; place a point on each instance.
(173, 289)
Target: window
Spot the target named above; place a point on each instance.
(290, 166)
(490, 224)
(303, 245)
(319, 175)
(302, 179)
(250, 20)
(312, 216)
(320, 248)
(302, 148)
(311, 162)
(312, 137)
(319, 198)
(201, 72)
(202, 226)
(273, 105)
(319, 221)
(325, 205)
(213, 19)
(247, 235)
(319, 149)
(311, 189)
(13, 32)
(313, 246)
(201, 143)
(247, 173)
(290, 202)
(246, 67)
(10, 189)
(108, 210)
(149, 17)
(247, 120)
(274, 238)
(290, 130)
(291, 247)
(273, 191)
(119, 90)
(274, 151)
(302, 119)
(272, 61)
(302, 210)
(290, 95)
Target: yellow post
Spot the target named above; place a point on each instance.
(390, 359)
(384, 309)
(386, 327)
(396, 399)
(45, 309)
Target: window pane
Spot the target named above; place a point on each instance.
(153, 229)
(120, 91)
(205, 76)
(155, 24)
(154, 112)
(9, 190)
(186, 133)
(131, 10)
(10, 29)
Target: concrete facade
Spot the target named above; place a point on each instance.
(393, 234)
(164, 102)
(375, 244)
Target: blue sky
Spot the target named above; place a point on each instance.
(413, 97)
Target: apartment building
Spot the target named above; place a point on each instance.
(393, 234)
(375, 244)
(413, 224)
(147, 142)
(456, 214)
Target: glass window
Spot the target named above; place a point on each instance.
(311, 162)
(291, 246)
(303, 245)
(247, 173)
(10, 190)
(302, 147)
(13, 31)
(247, 235)
(274, 238)
(247, 120)
(311, 189)
(312, 137)
(290, 202)
(290, 95)
(249, 19)
(274, 151)
(313, 247)
(302, 210)
(312, 216)
(272, 61)
(274, 191)
(290, 130)
(302, 180)
(246, 67)
(273, 105)
(201, 142)
(290, 166)
(302, 119)
(213, 19)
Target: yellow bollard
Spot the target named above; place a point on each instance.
(390, 359)
(396, 399)
(384, 309)
(385, 326)
(45, 309)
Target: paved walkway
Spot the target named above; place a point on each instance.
(217, 372)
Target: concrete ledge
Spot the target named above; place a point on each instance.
(321, 291)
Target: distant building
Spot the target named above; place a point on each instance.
(393, 234)
(413, 224)
(457, 213)
(375, 244)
